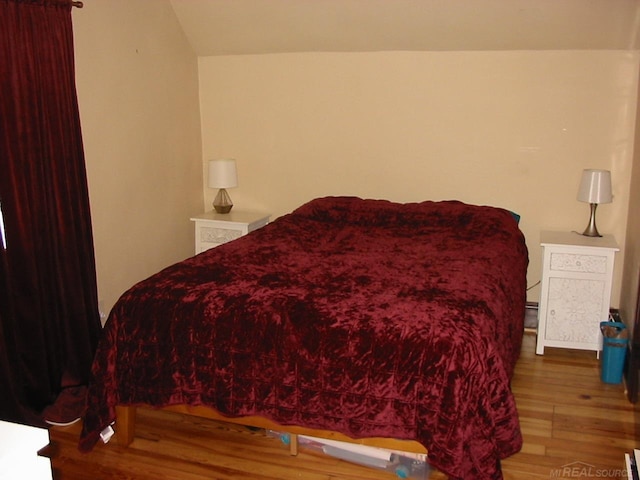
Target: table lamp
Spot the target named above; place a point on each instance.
(223, 175)
(595, 188)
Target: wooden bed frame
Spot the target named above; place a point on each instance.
(126, 419)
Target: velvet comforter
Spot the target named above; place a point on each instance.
(360, 316)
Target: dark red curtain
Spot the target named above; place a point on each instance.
(49, 322)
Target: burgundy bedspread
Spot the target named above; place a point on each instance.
(360, 316)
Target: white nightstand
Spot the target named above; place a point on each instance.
(577, 274)
(213, 229)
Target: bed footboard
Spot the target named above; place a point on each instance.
(126, 418)
(126, 425)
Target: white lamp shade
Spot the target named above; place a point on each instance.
(223, 173)
(595, 186)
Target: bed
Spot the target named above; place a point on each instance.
(367, 318)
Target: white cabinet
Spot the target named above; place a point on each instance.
(213, 229)
(577, 274)
(20, 447)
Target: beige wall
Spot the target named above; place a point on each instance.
(511, 129)
(137, 88)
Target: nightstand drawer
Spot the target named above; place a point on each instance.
(214, 229)
(572, 262)
(218, 235)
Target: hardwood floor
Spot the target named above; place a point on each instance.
(574, 426)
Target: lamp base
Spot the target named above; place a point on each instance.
(589, 233)
(222, 203)
(220, 209)
(592, 230)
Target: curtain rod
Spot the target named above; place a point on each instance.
(77, 4)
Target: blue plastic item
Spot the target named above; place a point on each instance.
(614, 352)
(402, 471)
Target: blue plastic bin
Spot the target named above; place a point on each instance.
(614, 352)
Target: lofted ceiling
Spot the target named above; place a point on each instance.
(235, 27)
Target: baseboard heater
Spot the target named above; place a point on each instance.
(531, 316)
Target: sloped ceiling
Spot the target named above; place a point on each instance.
(235, 27)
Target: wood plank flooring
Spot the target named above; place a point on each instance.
(574, 426)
